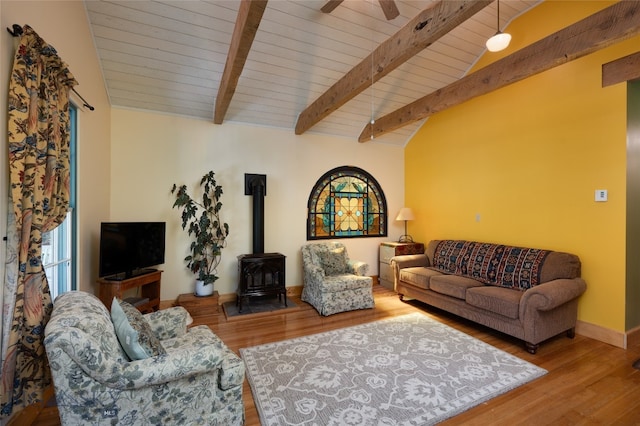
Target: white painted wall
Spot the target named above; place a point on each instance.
(151, 152)
(128, 161)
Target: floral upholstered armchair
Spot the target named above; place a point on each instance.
(332, 282)
(194, 380)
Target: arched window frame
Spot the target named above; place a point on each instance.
(326, 205)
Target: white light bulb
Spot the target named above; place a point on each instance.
(498, 42)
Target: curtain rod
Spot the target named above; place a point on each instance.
(16, 31)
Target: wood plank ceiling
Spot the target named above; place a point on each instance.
(169, 57)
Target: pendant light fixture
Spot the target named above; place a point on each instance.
(373, 49)
(500, 40)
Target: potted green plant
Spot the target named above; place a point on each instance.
(202, 221)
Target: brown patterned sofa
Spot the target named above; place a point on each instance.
(528, 293)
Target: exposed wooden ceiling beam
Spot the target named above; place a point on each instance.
(249, 16)
(389, 9)
(330, 5)
(602, 29)
(623, 69)
(427, 27)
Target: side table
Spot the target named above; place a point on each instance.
(199, 305)
(389, 250)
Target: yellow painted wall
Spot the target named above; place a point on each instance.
(520, 165)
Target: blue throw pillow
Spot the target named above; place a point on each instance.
(133, 331)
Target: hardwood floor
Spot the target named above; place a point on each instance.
(589, 382)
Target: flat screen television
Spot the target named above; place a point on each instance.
(128, 249)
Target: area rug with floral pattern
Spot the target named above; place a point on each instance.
(406, 370)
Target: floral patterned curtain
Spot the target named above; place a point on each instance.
(38, 123)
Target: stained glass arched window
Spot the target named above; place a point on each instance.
(346, 202)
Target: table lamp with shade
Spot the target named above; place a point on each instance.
(405, 214)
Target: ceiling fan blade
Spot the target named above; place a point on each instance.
(389, 8)
(331, 4)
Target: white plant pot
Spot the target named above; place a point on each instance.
(203, 290)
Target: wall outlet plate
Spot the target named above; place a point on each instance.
(601, 195)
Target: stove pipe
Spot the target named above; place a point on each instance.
(256, 185)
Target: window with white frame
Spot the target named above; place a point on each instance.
(58, 245)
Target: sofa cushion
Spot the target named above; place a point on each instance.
(453, 285)
(418, 276)
(560, 265)
(499, 300)
(133, 331)
(345, 282)
(333, 260)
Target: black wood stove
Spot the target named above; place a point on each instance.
(259, 273)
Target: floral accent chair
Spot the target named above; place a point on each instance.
(332, 282)
(198, 381)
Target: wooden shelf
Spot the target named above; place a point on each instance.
(149, 285)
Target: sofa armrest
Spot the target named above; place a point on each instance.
(198, 352)
(406, 261)
(550, 295)
(358, 268)
(202, 353)
(231, 371)
(314, 271)
(169, 323)
(409, 261)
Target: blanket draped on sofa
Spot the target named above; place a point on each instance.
(505, 266)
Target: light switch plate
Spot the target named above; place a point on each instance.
(601, 195)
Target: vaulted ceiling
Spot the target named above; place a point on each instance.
(169, 57)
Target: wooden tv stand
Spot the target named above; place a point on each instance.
(148, 283)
